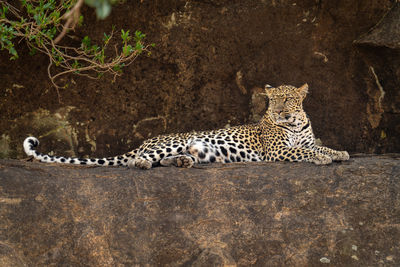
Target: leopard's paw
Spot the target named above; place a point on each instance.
(341, 156)
(184, 162)
(322, 159)
(139, 163)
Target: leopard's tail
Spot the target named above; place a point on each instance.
(31, 143)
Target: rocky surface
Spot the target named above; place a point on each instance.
(210, 61)
(262, 214)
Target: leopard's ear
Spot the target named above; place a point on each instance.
(303, 90)
(268, 89)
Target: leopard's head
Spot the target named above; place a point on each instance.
(286, 104)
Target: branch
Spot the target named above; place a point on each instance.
(72, 17)
(87, 60)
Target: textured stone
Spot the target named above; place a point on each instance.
(386, 33)
(263, 214)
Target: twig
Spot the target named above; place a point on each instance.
(72, 17)
(52, 81)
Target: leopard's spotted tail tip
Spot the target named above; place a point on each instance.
(30, 143)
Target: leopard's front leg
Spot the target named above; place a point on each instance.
(297, 154)
(334, 154)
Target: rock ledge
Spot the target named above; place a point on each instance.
(264, 214)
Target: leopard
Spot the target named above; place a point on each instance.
(284, 133)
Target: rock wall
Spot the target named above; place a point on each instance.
(261, 214)
(210, 61)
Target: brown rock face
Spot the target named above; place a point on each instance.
(262, 214)
(386, 33)
(210, 58)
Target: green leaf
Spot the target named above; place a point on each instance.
(101, 57)
(3, 11)
(103, 10)
(76, 65)
(125, 35)
(29, 8)
(118, 67)
(32, 52)
(48, 5)
(103, 7)
(36, 17)
(139, 46)
(86, 42)
(106, 38)
(139, 36)
(80, 21)
(94, 49)
(127, 50)
(13, 52)
(51, 32)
